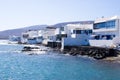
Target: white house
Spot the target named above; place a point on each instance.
(31, 37)
(49, 34)
(106, 32)
(69, 27)
(14, 39)
(76, 34)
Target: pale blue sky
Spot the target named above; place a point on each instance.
(21, 13)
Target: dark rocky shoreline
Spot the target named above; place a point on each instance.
(94, 52)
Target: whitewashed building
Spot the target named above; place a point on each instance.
(31, 37)
(106, 32)
(14, 39)
(49, 34)
(76, 34)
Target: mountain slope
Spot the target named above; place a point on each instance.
(5, 34)
(75, 22)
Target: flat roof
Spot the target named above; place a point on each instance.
(106, 19)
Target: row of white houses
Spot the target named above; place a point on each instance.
(101, 32)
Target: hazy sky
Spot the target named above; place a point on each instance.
(21, 13)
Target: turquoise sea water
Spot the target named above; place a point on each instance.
(15, 65)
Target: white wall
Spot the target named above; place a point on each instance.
(114, 31)
(76, 40)
(69, 27)
(100, 43)
(33, 34)
(57, 31)
(48, 32)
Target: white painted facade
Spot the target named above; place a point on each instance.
(14, 39)
(115, 30)
(28, 35)
(70, 27)
(105, 31)
(76, 40)
(103, 43)
(49, 34)
(77, 35)
(32, 37)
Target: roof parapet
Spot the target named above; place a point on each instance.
(106, 19)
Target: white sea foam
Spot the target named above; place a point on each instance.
(4, 41)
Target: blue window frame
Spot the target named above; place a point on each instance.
(106, 25)
(82, 31)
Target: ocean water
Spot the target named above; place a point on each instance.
(16, 65)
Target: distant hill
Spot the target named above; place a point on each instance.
(5, 34)
(75, 22)
(17, 32)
